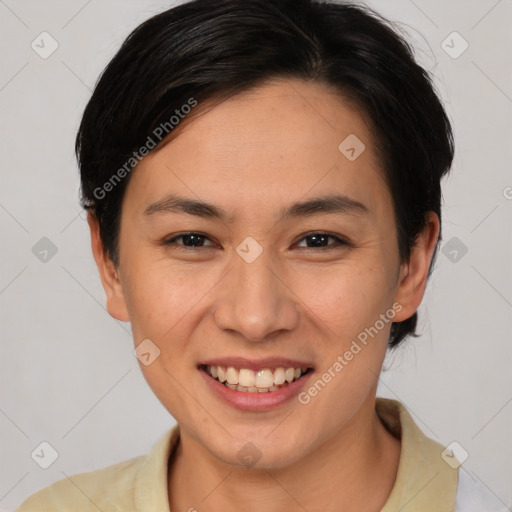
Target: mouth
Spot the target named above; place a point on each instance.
(248, 380)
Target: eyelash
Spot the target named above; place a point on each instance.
(339, 241)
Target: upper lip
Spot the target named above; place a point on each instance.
(257, 364)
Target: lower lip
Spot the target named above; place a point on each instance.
(256, 401)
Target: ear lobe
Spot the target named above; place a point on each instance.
(109, 274)
(414, 273)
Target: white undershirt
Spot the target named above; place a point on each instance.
(473, 496)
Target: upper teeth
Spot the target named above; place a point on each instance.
(248, 378)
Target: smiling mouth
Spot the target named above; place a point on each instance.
(250, 381)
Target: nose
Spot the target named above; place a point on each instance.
(255, 300)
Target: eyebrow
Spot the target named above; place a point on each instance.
(327, 204)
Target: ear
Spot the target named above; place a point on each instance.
(109, 274)
(414, 273)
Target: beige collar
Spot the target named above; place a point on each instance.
(424, 482)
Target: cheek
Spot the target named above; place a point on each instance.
(159, 300)
(167, 301)
(164, 304)
(346, 305)
(346, 298)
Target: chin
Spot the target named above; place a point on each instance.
(260, 452)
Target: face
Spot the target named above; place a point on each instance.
(259, 279)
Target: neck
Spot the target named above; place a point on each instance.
(354, 470)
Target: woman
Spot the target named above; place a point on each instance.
(262, 180)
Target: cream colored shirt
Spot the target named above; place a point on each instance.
(425, 482)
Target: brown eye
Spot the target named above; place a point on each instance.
(190, 240)
(321, 241)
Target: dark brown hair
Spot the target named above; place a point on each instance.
(211, 49)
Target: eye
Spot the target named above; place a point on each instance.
(320, 241)
(190, 240)
(317, 240)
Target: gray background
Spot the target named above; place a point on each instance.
(68, 375)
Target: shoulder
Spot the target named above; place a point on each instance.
(110, 488)
(117, 488)
(473, 496)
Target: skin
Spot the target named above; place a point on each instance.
(252, 155)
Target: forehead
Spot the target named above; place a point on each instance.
(282, 140)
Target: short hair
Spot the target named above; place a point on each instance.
(204, 51)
